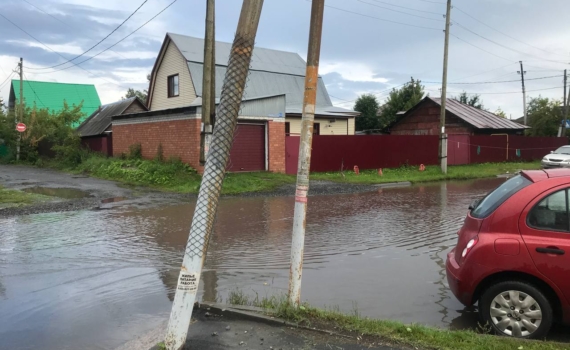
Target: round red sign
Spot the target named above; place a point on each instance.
(21, 127)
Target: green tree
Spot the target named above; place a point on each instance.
(142, 95)
(544, 116)
(474, 101)
(500, 113)
(401, 100)
(367, 105)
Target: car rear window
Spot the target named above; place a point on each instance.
(498, 196)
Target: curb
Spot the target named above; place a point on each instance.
(394, 184)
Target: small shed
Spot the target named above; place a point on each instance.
(460, 119)
(96, 131)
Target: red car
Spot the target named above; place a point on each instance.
(513, 255)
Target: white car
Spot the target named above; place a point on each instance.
(557, 159)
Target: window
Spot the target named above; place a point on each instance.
(494, 199)
(551, 213)
(173, 86)
(287, 128)
(316, 128)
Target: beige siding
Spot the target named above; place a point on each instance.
(351, 128)
(339, 127)
(172, 63)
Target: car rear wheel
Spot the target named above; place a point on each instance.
(516, 309)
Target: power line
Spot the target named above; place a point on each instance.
(504, 92)
(31, 87)
(488, 71)
(7, 79)
(504, 46)
(115, 44)
(407, 8)
(494, 82)
(382, 19)
(409, 14)
(477, 47)
(507, 35)
(60, 21)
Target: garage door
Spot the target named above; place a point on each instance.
(248, 150)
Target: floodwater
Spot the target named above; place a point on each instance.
(96, 279)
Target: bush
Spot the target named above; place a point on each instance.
(159, 153)
(135, 151)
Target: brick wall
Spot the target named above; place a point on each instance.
(276, 142)
(179, 138)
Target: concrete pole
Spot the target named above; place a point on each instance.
(522, 73)
(208, 82)
(442, 135)
(214, 172)
(304, 165)
(565, 99)
(21, 111)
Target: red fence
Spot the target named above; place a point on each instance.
(101, 144)
(330, 153)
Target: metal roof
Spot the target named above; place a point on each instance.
(479, 118)
(101, 119)
(51, 95)
(263, 59)
(263, 84)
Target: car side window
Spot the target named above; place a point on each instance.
(551, 213)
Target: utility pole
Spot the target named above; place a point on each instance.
(442, 134)
(208, 82)
(21, 111)
(522, 73)
(304, 165)
(566, 102)
(213, 177)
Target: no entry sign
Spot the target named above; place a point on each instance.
(21, 127)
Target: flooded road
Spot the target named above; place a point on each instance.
(96, 279)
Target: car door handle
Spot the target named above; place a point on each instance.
(554, 251)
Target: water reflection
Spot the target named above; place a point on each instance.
(104, 277)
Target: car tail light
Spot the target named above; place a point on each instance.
(469, 246)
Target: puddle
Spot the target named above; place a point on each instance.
(67, 193)
(113, 200)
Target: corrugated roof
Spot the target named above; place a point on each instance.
(479, 118)
(263, 59)
(100, 120)
(51, 95)
(263, 84)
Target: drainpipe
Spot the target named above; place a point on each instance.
(507, 135)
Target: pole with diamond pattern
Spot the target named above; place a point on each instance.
(215, 169)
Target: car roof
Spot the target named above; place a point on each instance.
(540, 175)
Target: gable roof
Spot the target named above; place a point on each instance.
(101, 119)
(272, 72)
(267, 60)
(51, 95)
(476, 117)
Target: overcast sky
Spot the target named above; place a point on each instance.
(361, 52)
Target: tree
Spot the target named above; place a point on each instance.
(474, 101)
(142, 95)
(401, 100)
(367, 105)
(544, 116)
(500, 113)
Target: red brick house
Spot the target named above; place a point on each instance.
(460, 119)
(271, 107)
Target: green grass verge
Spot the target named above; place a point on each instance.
(432, 173)
(372, 330)
(13, 198)
(175, 176)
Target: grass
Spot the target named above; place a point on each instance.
(11, 198)
(432, 173)
(175, 176)
(371, 330)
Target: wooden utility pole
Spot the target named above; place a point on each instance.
(208, 82)
(566, 101)
(522, 73)
(304, 164)
(21, 109)
(442, 134)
